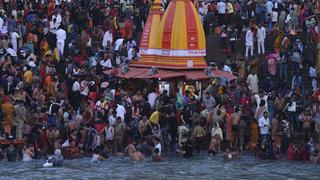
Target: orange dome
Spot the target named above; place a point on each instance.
(178, 41)
(149, 37)
(181, 38)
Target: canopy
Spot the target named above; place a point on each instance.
(142, 73)
(132, 72)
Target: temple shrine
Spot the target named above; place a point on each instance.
(177, 41)
(172, 48)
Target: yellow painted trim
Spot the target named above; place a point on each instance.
(179, 28)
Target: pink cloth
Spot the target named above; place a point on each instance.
(272, 69)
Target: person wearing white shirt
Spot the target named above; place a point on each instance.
(221, 7)
(106, 63)
(61, 37)
(152, 99)
(117, 44)
(253, 81)
(132, 53)
(84, 88)
(121, 111)
(261, 96)
(201, 13)
(14, 40)
(58, 2)
(11, 51)
(1, 23)
(269, 6)
(76, 86)
(112, 119)
(131, 43)
(53, 26)
(264, 124)
(227, 69)
(109, 132)
(58, 17)
(158, 144)
(261, 36)
(249, 42)
(107, 37)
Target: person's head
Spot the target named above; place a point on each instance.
(118, 120)
(164, 92)
(11, 146)
(156, 140)
(262, 103)
(236, 109)
(144, 118)
(265, 114)
(207, 95)
(196, 123)
(114, 113)
(57, 152)
(218, 112)
(228, 150)
(216, 125)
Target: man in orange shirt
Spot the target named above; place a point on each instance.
(28, 76)
(8, 110)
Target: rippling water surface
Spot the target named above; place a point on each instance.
(199, 167)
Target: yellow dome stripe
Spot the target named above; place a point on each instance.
(179, 28)
(154, 31)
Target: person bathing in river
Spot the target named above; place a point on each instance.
(214, 146)
(157, 143)
(56, 160)
(11, 154)
(187, 149)
(136, 155)
(230, 155)
(28, 153)
(314, 155)
(156, 155)
(99, 155)
(198, 133)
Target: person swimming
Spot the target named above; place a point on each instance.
(99, 155)
(230, 155)
(136, 155)
(56, 160)
(97, 158)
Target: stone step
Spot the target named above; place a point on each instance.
(214, 53)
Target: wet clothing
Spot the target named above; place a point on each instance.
(12, 155)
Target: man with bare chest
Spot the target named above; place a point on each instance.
(235, 120)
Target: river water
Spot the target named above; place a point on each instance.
(174, 167)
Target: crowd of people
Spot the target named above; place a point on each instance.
(55, 98)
